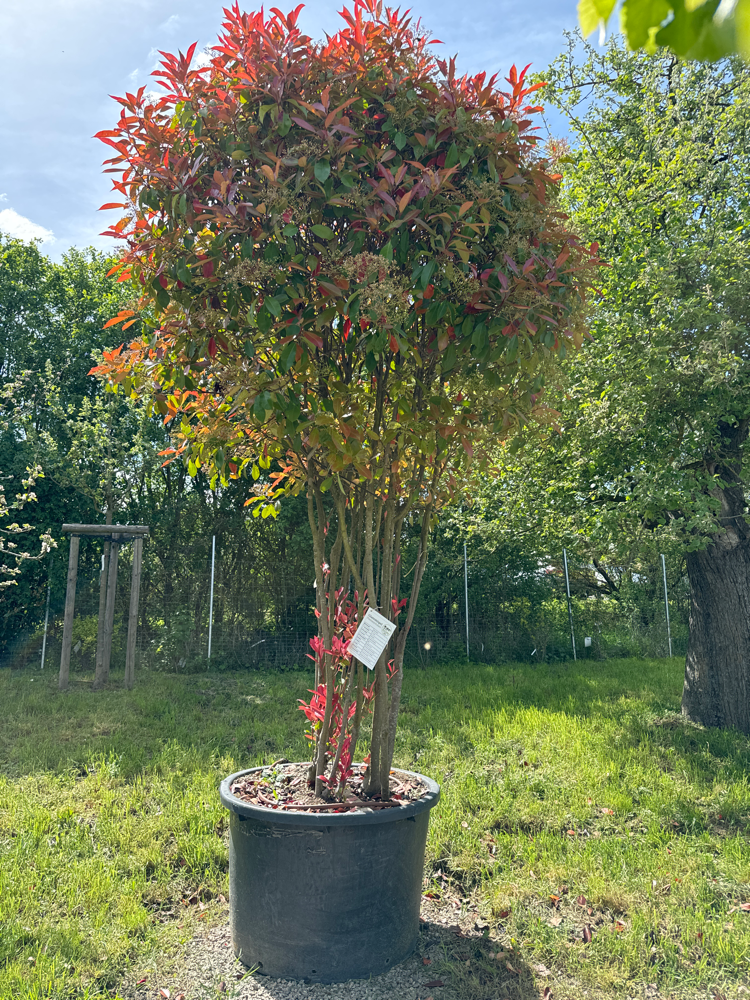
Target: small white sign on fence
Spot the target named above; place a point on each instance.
(371, 638)
(587, 640)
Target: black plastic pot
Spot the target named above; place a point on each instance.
(325, 897)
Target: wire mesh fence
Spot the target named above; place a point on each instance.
(262, 613)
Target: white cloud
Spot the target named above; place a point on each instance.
(21, 228)
(170, 25)
(203, 58)
(3, 197)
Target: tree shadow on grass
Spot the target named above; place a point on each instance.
(641, 699)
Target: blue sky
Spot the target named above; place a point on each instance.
(60, 59)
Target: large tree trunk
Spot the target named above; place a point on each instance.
(717, 669)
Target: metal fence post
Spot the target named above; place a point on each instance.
(570, 606)
(211, 602)
(46, 617)
(666, 604)
(466, 596)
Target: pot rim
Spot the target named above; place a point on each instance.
(353, 817)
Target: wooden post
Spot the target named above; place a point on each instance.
(70, 600)
(102, 676)
(135, 588)
(102, 602)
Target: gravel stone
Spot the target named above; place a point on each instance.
(206, 969)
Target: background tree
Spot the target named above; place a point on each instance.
(656, 409)
(355, 273)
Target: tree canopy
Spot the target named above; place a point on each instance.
(350, 266)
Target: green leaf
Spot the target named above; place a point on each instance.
(466, 155)
(260, 405)
(512, 351)
(399, 140)
(273, 306)
(287, 356)
(448, 360)
(162, 298)
(249, 348)
(322, 170)
(593, 13)
(264, 320)
(324, 232)
(289, 229)
(427, 271)
(451, 158)
(264, 109)
(638, 19)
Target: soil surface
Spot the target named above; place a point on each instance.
(284, 786)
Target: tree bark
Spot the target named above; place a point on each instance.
(717, 668)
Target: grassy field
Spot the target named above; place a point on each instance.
(599, 837)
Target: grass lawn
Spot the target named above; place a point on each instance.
(601, 839)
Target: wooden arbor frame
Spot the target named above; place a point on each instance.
(114, 535)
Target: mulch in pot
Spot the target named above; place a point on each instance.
(284, 786)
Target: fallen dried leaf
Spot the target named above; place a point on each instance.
(465, 825)
(180, 996)
(434, 982)
(503, 914)
(587, 934)
(547, 995)
(164, 993)
(607, 812)
(426, 961)
(510, 968)
(619, 926)
(745, 907)
(581, 900)
(554, 900)
(556, 921)
(222, 987)
(141, 981)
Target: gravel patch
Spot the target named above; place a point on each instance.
(208, 970)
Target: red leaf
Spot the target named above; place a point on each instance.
(587, 934)
(435, 982)
(113, 204)
(581, 901)
(212, 347)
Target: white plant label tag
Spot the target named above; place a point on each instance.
(371, 638)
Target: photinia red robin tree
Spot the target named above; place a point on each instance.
(352, 280)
